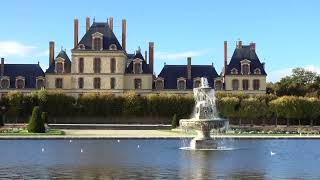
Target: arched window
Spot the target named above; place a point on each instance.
(113, 47)
(137, 67)
(5, 83)
(159, 84)
(113, 65)
(97, 44)
(40, 83)
(96, 83)
(256, 84)
(245, 69)
(96, 65)
(59, 68)
(20, 84)
(112, 83)
(257, 71)
(80, 83)
(197, 83)
(218, 85)
(181, 84)
(235, 84)
(80, 65)
(137, 84)
(245, 84)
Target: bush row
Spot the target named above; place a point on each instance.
(93, 105)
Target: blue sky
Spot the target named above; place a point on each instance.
(286, 32)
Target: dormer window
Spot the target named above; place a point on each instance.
(20, 82)
(40, 82)
(159, 84)
(137, 66)
(97, 41)
(60, 65)
(5, 82)
(181, 83)
(234, 71)
(196, 83)
(81, 46)
(112, 47)
(257, 71)
(245, 67)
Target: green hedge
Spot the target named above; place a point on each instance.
(238, 108)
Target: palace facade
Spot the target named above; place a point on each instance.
(99, 63)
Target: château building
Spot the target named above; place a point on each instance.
(99, 63)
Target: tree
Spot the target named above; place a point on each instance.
(175, 121)
(36, 123)
(44, 117)
(15, 101)
(250, 109)
(228, 107)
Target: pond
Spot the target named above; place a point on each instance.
(158, 159)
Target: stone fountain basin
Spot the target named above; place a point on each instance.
(203, 124)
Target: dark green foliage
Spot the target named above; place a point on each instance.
(175, 121)
(1, 120)
(44, 117)
(36, 123)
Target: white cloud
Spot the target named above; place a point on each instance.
(276, 75)
(180, 55)
(14, 48)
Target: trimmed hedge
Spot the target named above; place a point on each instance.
(238, 108)
(36, 123)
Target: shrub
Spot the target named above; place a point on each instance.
(1, 120)
(175, 121)
(36, 123)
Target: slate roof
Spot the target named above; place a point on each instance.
(240, 54)
(171, 73)
(67, 64)
(108, 36)
(29, 71)
(145, 66)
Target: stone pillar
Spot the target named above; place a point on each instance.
(76, 26)
(124, 29)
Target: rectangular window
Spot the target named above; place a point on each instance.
(59, 67)
(113, 65)
(245, 84)
(59, 83)
(256, 84)
(137, 84)
(96, 83)
(81, 65)
(112, 83)
(235, 84)
(80, 83)
(96, 65)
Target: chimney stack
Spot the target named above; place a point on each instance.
(146, 56)
(51, 52)
(151, 54)
(239, 44)
(253, 46)
(124, 34)
(87, 24)
(189, 68)
(111, 23)
(225, 56)
(76, 27)
(2, 66)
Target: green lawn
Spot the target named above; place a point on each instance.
(26, 133)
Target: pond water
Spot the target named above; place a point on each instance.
(158, 159)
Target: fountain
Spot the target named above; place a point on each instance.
(205, 118)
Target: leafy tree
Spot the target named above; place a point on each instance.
(175, 121)
(250, 109)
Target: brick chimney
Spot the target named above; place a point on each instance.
(2, 66)
(151, 56)
(124, 34)
(189, 68)
(239, 44)
(76, 27)
(87, 24)
(51, 52)
(253, 46)
(111, 23)
(225, 56)
(146, 56)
